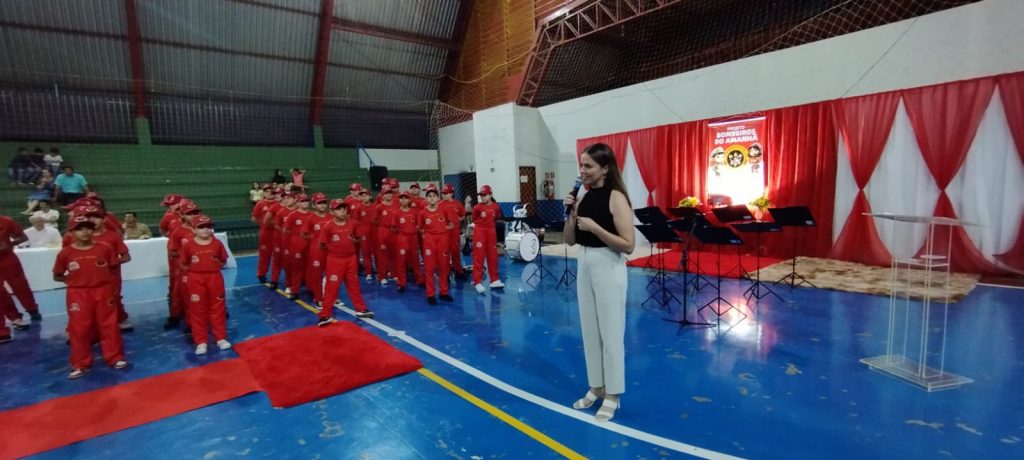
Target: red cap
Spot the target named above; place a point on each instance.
(355, 186)
(170, 199)
(485, 190)
(447, 188)
(201, 220)
(393, 182)
(387, 189)
(301, 197)
(91, 211)
(337, 203)
(188, 208)
(80, 221)
(415, 185)
(267, 186)
(364, 191)
(81, 202)
(432, 188)
(404, 194)
(319, 197)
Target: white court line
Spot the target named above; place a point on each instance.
(1000, 286)
(64, 313)
(549, 405)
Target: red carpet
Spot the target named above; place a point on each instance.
(708, 262)
(63, 421)
(313, 363)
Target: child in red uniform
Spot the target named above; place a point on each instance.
(170, 201)
(456, 211)
(407, 242)
(104, 235)
(338, 239)
(179, 236)
(485, 240)
(298, 226)
(11, 272)
(88, 269)
(277, 218)
(316, 257)
(202, 258)
(266, 247)
(365, 215)
(434, 223)
(6, 305)
(385, 234)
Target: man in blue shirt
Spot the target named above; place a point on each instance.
(70, 186)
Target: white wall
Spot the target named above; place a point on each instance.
(455, 144)
(534, 145)
(494, 151)
(400, 159)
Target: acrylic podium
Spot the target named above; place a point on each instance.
(916, 342)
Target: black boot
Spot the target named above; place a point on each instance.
(432, 300)
(171, 323)
(34, 314)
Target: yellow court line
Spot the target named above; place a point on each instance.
(501, 415)
(497, 413)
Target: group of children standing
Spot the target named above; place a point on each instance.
(392, 236)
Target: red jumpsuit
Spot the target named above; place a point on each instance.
(7, 312)
(89, 274)
(114, 240)
(299, 225)
(266, 236)
(280, 242)
(165, 221)
(179, 298)
(207, 309)
(365, 214)
(485, 240)
(174, 309)
(384, 238)
(456, 211)
(434, 225)
(408, 247)
(339, 242)
(316, 258)
(10, 267)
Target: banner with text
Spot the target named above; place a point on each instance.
(736, 162)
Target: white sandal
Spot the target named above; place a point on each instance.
(607, 410)
(586, 401)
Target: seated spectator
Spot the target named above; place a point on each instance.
(133, 229)
(53, 160)
(41, 236)
(278, 177)
(49, 215)
(255, 193)
(20, 167)
(38, 164)
(43, 191)
(70, 186)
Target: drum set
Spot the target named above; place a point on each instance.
(522, 243)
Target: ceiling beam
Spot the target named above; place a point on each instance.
(135, 53)
(458, 36)
(323, 47)
(392, 34)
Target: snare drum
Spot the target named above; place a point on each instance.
(522, 246)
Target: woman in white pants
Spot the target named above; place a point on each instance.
(601, 222)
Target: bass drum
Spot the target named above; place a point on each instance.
(523, 246)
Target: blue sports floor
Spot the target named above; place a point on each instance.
(784, 383)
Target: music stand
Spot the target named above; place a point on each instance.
(757, 228)
(568, 277)
(718, 236)
(534, 222)
(660, 234)
(651, 215)
(687, 225)
(793, 216)
(730, 215)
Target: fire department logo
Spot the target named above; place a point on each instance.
(427, 252)
(383, 247)
(401, 251)
(184, 279)
(335, 238)
(298, 255)
(286, 252)
(195, 259)
(384, 213)
(334, 277)
(316, 263)
(428, 221)
(72, 266)
(401, 220)
(298, 221)
(263, 246)
(362, 213)
(194, 298)
(479, 244)
(74, 307)
(316, 227)
(483, 214)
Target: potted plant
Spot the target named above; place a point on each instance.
(760, 204)
(689, 202)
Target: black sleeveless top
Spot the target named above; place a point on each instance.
(596, 205)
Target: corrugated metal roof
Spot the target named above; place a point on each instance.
(51, 58)
(372, 86)
(312, 6)
(189, 71)
(89, 15)
(368, 51)
(434, 18)
(231, 25)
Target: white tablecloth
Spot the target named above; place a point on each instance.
(149, 260)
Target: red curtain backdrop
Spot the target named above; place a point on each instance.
(865, 123)
(801, 150)
(682, 168)
(945, 119)
(645, 148)
(616, 141)
(1011, 91)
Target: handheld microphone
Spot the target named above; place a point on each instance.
(575, 189)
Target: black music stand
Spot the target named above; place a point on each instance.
(688, 226)
(534, 222)
(757, 228)
(731, 215)
(568, 277)
(718, 236)
(793, 216)
(660, 234)
(651, 215)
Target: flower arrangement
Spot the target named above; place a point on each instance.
(688, 202)
(761, 202)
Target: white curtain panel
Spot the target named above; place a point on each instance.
(902, 184)
(988, 188)
(846, 190)
(635, 187)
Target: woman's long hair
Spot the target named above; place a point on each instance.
(602, 155)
